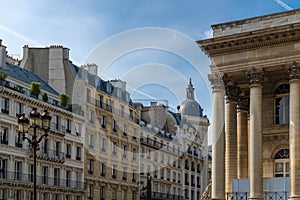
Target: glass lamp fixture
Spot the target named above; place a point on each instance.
(34, 118)
(46, 119)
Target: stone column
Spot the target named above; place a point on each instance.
(294, 74)
(255, 77)
(232, 93)
(242, 138)
(218, 178)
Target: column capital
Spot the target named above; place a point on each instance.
(232, 92)
(243, 103)
(293, 70)
(255, 76)
(216, 81)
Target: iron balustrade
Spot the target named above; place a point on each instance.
(48, 153)
(23, 178)
(112, 109)
(160, 195)
(57, 127)
(280, 195)
(25, 91)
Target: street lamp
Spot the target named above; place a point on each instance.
(36, 121)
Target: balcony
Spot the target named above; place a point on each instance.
(12, 86)
(4, 141)
(57, 128)
(159, 195)
(44, 181)
(78, 158)
(5, 111)
(50, 155)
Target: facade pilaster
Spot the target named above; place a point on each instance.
(293, 70)
(255, 77)
(242, 138)
(232, 93)
(218, 175)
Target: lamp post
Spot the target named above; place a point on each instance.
(149, 187)
(36, 121)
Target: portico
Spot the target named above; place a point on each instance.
(255, 80)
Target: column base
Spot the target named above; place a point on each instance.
(294, 197)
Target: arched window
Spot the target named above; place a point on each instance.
(282, 163)
(282, 101)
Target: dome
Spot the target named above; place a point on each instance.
(190, 106)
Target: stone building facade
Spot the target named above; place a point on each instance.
(256, 87)
(60, 166)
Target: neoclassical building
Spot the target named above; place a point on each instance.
(255, 78)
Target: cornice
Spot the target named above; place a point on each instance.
(251, 40)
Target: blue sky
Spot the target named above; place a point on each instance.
(83, 25)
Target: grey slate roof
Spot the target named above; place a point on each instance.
(27, 77)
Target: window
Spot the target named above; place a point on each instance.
(18, 140)
(103, 169)
(103, 121)
(18, 170)
(3, 193)
(124, 151)
(124, 174)
(133, 175)
(18, 195)
(142, 169)
(57, 150)
(125, 130)
(162, 173)
(102, 193)
(45, 175)
(78, 179)
(30, 172)
(4, 136)
(78, 153)
(148, 154)
(281, 163)
(88, 95)
(91, 140)
(103, 144)
(99, 101)
(68, 126)
(282, 100)
(90, 192)
(56, 176)
(134, 154)
(133, 195)
(19, 109)
(114, 171)
(3, 168)
(114, 194)
(155, 171)
(5, 105)
(114, 125)
(114, 147)
(68, 150)
(124, 195)
(122, 111)
(78, 128)
(91, 117)
(91, 166)
(68, 178)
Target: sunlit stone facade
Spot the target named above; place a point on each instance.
(255, 84)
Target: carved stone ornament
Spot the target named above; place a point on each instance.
(243, 103)
(255, 76)
(293, 70)
(216, 81)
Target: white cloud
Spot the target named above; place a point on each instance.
(208, 34)
(284, 5)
